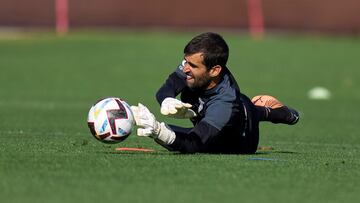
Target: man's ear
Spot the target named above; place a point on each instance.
(215, 71)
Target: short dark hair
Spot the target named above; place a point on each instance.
(212, 45)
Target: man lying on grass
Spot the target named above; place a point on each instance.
(225, 120)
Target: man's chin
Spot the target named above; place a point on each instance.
(193, 86)
(190, 83)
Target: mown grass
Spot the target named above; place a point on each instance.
(47, 85)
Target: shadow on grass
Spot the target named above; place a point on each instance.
(275, 152)
(164, 152)
(133, 151)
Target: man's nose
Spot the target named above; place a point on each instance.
(186, 68)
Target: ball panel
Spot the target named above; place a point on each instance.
(104, 136)
(119, 139)
(92, 128)
(91, 115)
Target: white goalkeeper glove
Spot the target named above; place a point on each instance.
(176, 109)
(148, 126)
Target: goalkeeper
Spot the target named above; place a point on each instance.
(225, 120)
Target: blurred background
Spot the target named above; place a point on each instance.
(57, 57)
(326, 16)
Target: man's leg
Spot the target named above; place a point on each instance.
(271, 109)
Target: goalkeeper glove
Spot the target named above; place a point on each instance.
(177, 109)
(148, 126)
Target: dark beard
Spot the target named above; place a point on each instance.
(201, 83)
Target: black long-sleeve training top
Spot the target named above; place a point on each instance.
(222, 121)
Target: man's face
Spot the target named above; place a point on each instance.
(197, 75)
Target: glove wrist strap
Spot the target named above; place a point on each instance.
(165, 134)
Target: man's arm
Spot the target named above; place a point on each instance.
(196, 140)
(174, 84)
(204, 133)
(166, 96)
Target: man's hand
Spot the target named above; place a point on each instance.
(148, 126)
(145, 120)
(177, 109)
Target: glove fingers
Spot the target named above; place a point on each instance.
(172, 109)
(187, 105)
(138, 114)
(143, 111)
(175, 108)
(183, 106)
(142, 108)
(144, 132)
(168, 109)
(135, 111)
(177, 105)
(164, 111)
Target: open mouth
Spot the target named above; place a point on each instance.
(189, 76)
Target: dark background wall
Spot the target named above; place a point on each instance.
(296, 15)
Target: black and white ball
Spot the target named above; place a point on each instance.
(110, 120)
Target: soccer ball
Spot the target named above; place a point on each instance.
(110, 120)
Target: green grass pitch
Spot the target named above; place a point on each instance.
(47, 154)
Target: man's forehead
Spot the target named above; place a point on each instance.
(196, 57)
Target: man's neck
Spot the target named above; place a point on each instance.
(214, 82)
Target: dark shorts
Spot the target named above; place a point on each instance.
(250, 141)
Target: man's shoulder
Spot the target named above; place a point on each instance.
(226, 92)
